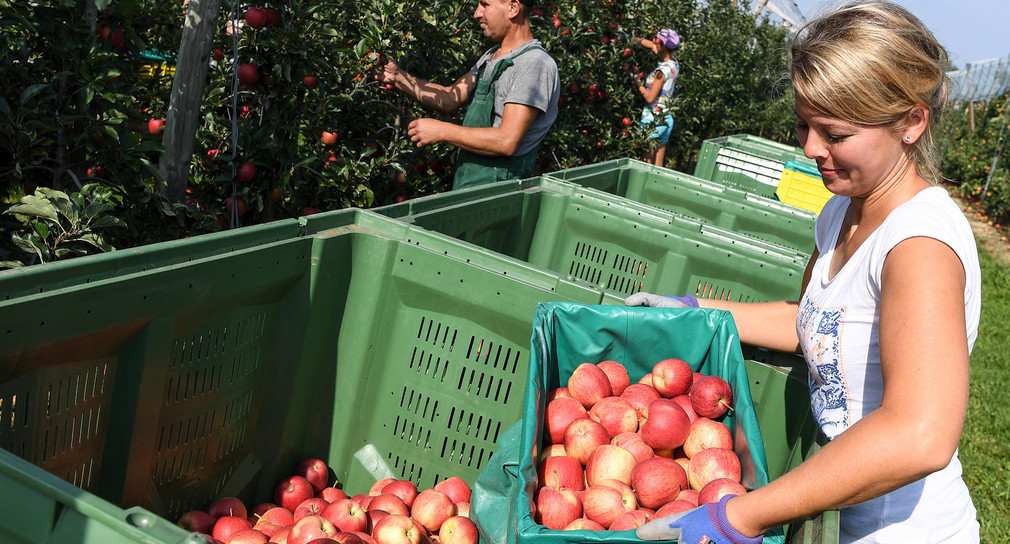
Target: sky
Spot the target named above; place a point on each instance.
(971, 30)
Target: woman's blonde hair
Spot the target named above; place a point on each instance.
(871, 63)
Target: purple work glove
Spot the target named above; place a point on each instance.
(659, 301)
(704, 525)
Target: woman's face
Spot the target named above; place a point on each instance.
(853, 159)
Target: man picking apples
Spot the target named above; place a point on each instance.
(511, 95)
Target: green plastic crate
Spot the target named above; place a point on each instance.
(620, 245)
(708, 201)
(383, 348)
(746, 162)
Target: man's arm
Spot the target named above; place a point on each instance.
(441, 98)
(501, 140)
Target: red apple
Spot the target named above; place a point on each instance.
(247, 536)
(255, 17)
(711, 396)
(631, 520)
(718, 488)
(397, 529)
(633, 442)
(604, 504)
(617, 374)
(610, 462)
(312, 469)
(455, 488)
(156, 126)
(247, 172)
(560, 413)
(583, 436)
(431, 508)
(311, 506)
(616, 414)
(346, 515)
(640, 395)
(556, 508)
(588, 384)
(228, 506)
(248, 74)
(292, 491)
(674, 507)
(197, 521)
(390, 503)
(226, 526)
(657, 481)
(310, 528)
(561, 471)
(405, 489)
(672, 377)
(583, 524)
(666, 425)
(711, 463)
(458, 530)
(685, 402)
(707, 433)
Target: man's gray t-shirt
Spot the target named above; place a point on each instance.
(532, 81)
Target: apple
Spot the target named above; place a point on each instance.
(390, 503)
(685, 402)
(376, 488)
(431, 508)
(197, 521)
(228, 506)
(278, 515)
(312, 506)
(616, 414)
(346, 515)
(583, 436)
(156, 126)
(689, 495)
(718, 488)
(707, 433)
(256, 18)
(711, 463)
(666, 425)
(245, 173)
(405, 489)
(292, 491)
(226, 526)
(310, 528)
(556, 508)
(674, 507)
(561, 471)
(458, 530)
(610, 462)
(309, 81)
(633, 442)
(604, 504)
(631, 520)
(617, 374)
(657, 481)
(248, 74)
(560, 413)
(455, 488)
(328, 138)
(711, 396)
(312, 469)
(584, 524)
(397, 529)
(247, 536)
(588, 384)
(331, 494)
(672, 377)
(640, 395)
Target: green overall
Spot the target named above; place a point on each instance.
(473, 169)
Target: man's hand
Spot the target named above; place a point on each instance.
(426, 131)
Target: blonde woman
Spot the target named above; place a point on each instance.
(890, 301)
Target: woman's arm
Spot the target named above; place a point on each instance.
(916, 429)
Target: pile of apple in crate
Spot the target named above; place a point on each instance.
(306, 509)
(616, 454)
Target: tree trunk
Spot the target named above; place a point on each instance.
(187, 96)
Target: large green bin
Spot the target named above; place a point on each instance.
(383, 348)
(747, 162)
(714, 203)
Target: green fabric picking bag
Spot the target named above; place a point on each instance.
(566, 335)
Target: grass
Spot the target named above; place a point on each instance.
(985, 443)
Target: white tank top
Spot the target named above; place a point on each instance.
(837, 326)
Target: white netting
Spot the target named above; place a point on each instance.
(981, 80)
